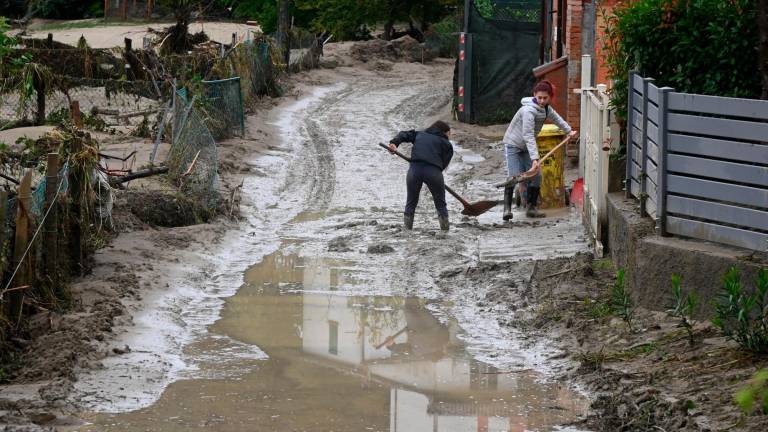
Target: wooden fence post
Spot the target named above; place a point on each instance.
(74, 109)
(3, 224)
(630, 146)
(76, 222)
(50, 241)
(16, 298)
(661, 189)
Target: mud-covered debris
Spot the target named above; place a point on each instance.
(340, 244)
(57, 389)
(120, 351)
(404, 49)
(380, 249)
(165, 209)
(42, 418)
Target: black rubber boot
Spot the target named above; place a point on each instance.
(444, 224)
(408, 222)
(533, 200)
(508, 196)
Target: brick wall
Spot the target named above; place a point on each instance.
(573, 51)
(605, 8)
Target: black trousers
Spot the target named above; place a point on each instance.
(418, 174)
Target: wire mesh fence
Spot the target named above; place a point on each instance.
(221, 102)
(193, 158)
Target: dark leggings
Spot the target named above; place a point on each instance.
(421, 173)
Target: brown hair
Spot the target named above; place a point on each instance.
(441, 126)
(545, 86)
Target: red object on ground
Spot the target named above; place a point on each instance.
(577, 193)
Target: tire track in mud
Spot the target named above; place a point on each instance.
(314, 167)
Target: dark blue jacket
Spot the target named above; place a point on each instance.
(430, 146)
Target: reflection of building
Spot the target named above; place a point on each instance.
(399, 342)
(388, 349)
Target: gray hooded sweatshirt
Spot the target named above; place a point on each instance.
(527, 123)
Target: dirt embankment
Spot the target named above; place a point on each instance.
(156, 228)
(643, 375)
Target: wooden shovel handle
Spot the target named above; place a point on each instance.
(447, 188)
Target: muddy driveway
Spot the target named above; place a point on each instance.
(321, 314)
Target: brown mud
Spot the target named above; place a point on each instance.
(517, 300)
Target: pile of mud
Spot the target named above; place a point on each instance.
(164, 209)
(404, 49)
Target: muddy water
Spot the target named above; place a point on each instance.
(336, 339)
(346, 363)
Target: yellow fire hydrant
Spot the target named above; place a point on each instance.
(553, 169)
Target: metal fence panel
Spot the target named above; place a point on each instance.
(718, 148)
(714, 168)
(699, 164)
(719, 211)
(713, 190)
(718, 233)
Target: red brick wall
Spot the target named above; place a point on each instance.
(573, 51)
(605, 8)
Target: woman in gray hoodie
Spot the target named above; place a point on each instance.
(520, 147)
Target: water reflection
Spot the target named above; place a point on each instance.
(344, 363)
(433, 384)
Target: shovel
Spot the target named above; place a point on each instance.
(513, 180)
(475, 209)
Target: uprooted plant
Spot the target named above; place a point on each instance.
(755, 393)
(684, 307)
(743, 316)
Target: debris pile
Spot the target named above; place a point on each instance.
(404, 49)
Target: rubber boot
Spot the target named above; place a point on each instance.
(444, 224)
(533, 199)
(508, 196)
(408, 222)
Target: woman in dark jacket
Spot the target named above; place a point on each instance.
(432, 152)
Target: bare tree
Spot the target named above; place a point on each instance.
(762, 26)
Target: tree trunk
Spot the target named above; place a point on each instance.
(762, 26)
(389, 26)
(283, 28)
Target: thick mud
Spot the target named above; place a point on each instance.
(320, 313)
(346, 362)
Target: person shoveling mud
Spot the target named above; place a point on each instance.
(520, 147)
(432, 152)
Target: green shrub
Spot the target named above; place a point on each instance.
(741, 316)
(696, 46)
(755, 392)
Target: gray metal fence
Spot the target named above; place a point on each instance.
(699, 164)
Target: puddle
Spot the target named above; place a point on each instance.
(340, 362)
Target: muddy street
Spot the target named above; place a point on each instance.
(320, 313)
